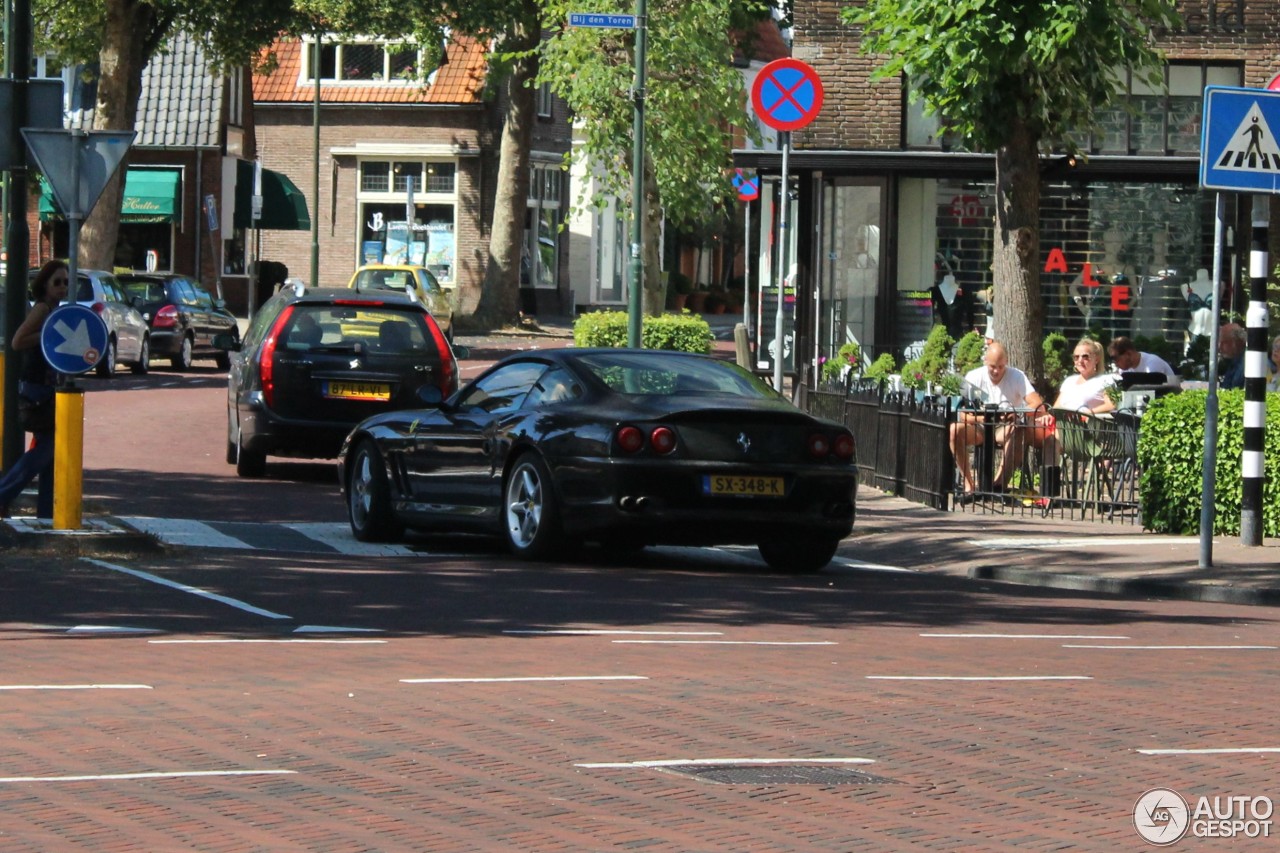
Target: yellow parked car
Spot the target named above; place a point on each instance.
(408, 278)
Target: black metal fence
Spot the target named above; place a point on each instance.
(1060, 464)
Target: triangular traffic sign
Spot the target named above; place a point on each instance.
(77, 164)
(1252, 148)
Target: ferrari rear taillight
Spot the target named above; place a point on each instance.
(843, 447)
(818, 445)
(663, 440)
(166, 317)
(266, 362)
(630, 439)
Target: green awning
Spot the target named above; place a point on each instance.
(150, 195)
(284, 207)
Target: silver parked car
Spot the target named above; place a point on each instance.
(128, 337)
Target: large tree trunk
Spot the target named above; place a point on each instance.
(655, 294)
(126, 46)
(498, 303)
(1018, 303)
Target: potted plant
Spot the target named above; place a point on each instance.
(679, 286)
(698, 299)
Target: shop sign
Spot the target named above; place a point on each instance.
(1121, 294)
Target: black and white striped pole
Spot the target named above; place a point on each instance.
(1255, 378)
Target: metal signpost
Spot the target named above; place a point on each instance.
(748, 187)
(639, 23)
(73, 340)
(787, 95)
(1239, 151)
(77, 166)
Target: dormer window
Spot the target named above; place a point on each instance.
(365, 62)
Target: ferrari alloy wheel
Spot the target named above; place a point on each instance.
(369, 497)
(799, 554)
(530, 516)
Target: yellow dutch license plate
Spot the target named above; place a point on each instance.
(751, 487)
(357, 391)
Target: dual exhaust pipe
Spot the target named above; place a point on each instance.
(633, 503)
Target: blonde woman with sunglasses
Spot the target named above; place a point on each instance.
(1087, 389)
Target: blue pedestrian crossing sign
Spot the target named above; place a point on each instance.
(1238, 147)
(73, 339)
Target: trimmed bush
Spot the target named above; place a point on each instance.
(968, 352)
(882, 368)
(1171, 454)
(684, 332)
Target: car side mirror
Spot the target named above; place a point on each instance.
(461, 352)
(230, 343)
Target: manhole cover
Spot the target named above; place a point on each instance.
(784, 775)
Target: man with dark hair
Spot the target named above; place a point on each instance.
(1128, 359)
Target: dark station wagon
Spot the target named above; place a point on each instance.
(314, 363)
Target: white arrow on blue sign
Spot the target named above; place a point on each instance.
(593, 19)
(73, 339)
(1239, 149)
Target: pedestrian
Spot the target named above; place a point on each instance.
(36, 394)
(1273, 383)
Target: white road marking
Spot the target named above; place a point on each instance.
(524, 678)
(980, 677)
(1169, 648)
(351, 642)
(111, 629)
(1244, 750)
(593, 632)
(1048, 543)
(337, 535)
(177, 774)
(1030, 636)
(697, 762)
(185, 532)
(212, 596)
(75, 687)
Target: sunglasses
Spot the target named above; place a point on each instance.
(1082, 357)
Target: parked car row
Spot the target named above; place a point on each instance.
(149, 315)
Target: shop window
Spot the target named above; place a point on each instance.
(145, 246)
(234, 250)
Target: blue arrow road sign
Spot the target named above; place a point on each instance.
(612, 22)
(73, 339)
(1238, 146)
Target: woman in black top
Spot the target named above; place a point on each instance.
(36, 390)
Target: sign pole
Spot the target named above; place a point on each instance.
(784, 245)
(1255, 379)
(1208, 473)
(746, 269)
(635, 302)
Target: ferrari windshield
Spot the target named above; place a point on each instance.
(651, 373)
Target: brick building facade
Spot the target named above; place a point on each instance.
(892, 225)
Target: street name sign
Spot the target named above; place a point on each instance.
(1238, 146)
(73, 339)
(602, 21)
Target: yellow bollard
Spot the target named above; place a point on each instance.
(68, 458)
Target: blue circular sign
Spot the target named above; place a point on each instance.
(787, 94)
(748, 186)
(73, 339)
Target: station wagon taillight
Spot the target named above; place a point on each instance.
(166, 317)
(448, 379)
(266, 362)
(98, 308)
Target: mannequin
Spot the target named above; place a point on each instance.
(1199, 294)
(952, 307)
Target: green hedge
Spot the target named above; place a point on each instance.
(684, 332)
(1171, 458)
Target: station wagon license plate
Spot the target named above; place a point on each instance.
(752, 487)
(357, 391)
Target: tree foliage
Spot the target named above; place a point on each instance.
(694, 99)
(1016, 78)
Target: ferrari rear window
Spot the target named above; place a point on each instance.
(644, 374)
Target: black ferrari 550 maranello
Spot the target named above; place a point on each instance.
(619, 446)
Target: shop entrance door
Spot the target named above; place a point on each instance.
(849, 264)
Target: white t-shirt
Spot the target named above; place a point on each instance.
(1010, 393)
(1077, 393)
(1150, 363)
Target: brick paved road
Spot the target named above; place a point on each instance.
(343, 743)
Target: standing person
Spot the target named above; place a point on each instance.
(36, 394)
(1129, 359)
(998, 384)
(1273, 382)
